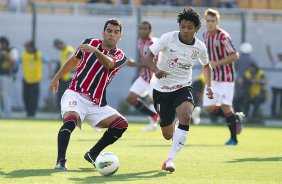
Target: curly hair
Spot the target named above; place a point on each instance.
(190, 14)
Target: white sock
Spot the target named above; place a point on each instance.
(179, 139)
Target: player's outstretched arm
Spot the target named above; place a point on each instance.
(207, 73)
(132, 63)
(67, 67)
(106, 61)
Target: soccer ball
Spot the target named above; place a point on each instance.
(107, 163)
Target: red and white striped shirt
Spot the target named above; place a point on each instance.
(219, 46)
(143, 46)
(91, 76)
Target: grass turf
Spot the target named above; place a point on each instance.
(28, 153)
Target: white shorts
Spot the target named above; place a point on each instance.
(223, 94)
(141, 88)
(87, 110)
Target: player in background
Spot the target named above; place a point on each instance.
(222, 55)
(65, 51)
(177, 52)
(141, 86)
(97, 62)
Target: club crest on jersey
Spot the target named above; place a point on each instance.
(194, 54)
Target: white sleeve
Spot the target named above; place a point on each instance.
(14, 54)
(204, 58)
(160, 44)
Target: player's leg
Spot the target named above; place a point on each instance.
(212, 106)
(184, 105)
(139, 88)
(70, 121)
(116, 124)
(232, 121)
(73, 110)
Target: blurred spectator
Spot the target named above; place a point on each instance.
(227, 3)
(17, 5)
(8, 68)
(32, 61)
(275, 83)
(257, 94)
(100, 1)
(241, 67)
(66, 51)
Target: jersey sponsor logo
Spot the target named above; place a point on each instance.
(174, 63)
(194, 54)
(172, 87)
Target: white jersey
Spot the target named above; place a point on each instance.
(177, 59)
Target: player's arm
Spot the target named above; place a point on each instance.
(232, 56)
(229, 59)
(106, 61)
(67, 67)
(148, 61)
(207, 70)
(132, 63)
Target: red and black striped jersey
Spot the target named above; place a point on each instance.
(91, 76)
(219, 46)
(143, 46)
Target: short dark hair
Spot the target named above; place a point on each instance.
(4, 40)
(114, 22)
(148, 23)
(190, 14)
(58, 41)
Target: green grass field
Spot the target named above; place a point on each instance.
(28, 153)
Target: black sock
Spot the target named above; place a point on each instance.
(64, 137)
(109, 137)
(231, 122)
(218, 111)
(183, 127)
(141, 106)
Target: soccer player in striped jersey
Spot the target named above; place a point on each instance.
(177, 52)
(141, 86)
(222, 55)
(96, 62)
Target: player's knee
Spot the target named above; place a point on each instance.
(119, 125)
(131, 100)
(209, 109)
(167, 135)
(185, 117)
(70, 123)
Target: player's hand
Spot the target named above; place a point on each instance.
(161, 74)
(131, 62)
(54, 85)
(87, 48)
(209, 92)
(213, 64)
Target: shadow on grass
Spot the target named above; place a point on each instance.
(121, 177)
(189, 145)
(270, 159)
(2, 173)
(22, 173)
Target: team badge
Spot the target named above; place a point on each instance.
(195, 54)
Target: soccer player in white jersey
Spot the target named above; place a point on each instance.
(141, 86)
(222, 55)
(177, 52)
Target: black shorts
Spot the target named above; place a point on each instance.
(165, 103)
